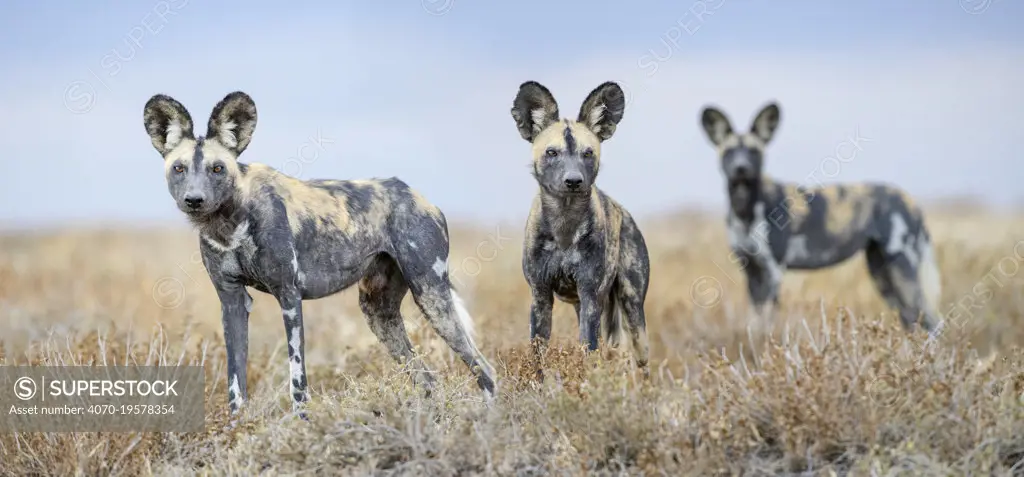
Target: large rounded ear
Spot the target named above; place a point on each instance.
(534, 109)
(232, 122)
(716, 125)
(766, 121)
(603, 109)
(167, 122)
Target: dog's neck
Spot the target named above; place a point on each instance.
(222, 223)
(567, 218)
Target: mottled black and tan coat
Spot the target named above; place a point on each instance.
(299, 240)
(776, 226)
(580, 245)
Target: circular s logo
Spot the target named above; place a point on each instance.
(79, 97)
(437, 7)
(975, 7)
(25, 388)
(706, 292)
(168, 292)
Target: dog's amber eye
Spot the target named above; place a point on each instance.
(588, 154)
(217, 169)
(552, 152)
(179, 168)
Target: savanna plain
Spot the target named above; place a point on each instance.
(833, 387)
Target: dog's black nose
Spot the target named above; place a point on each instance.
(194, 202)
(573, 182)
(741, 172)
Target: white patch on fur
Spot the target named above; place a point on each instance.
(796, 249)
(724, 140)
(897, 236)
(580, 232)
(296, 338)
(440, 267)
(594, 118)
(463, 315)
(929, 278)
(248, 302)
(294, 365)
(299, 276)
(539, 117)
(235, 390)
(898, 242)
(174, 134)
(467, 325)
(751, 141)
(240, 234)
(290, 313)
(226, 134)
(413, 245)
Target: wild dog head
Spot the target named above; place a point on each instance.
(741, 155)
(567, 153)
(201, 172)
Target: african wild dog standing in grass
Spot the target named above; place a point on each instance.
(813, 228)
(580, 245)
(301, 240)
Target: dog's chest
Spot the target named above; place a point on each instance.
(561, 269)
(750, 239)
(238, 256)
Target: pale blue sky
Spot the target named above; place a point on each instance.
(422, 90)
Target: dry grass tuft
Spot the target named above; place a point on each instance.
(834, 388)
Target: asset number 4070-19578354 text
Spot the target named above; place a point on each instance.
(131, 409)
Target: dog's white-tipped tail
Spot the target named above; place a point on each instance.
(928, 274)
(467, 324)
(930, 281)
(464, 318)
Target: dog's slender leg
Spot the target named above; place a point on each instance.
(235, 303)
(633, 308)
(290, 300)
(591, 308)
(762, 288)
(540, 325)
(380, 298)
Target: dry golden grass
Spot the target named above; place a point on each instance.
(835, 388)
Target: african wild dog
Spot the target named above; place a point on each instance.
(580, 245)
(301, 240)
(818, 227)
